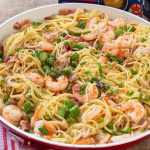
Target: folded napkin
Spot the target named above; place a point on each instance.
(7, 140)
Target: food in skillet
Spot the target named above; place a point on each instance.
(77, 77)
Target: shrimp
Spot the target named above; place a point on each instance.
(102, 137)
(101, 27)
(91, 22)
(134, 110)
(107, 36)
(50, 36)
(51, 126)
(107, 47)
(119, 52)
(142, 50)
(119, 22)
(12, 114)
(90, 36)
(63, 60)
(45, 46)
(116, 50)
(103, 59)
(55, 86)
(51, 129)
(36, 78)
(88, 140)
(124, 41)
(92, 113)
(119, 138)
(37, 125)
(92, 93)
(109, 101)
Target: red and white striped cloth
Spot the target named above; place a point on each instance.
(10, 141)
(7, 140)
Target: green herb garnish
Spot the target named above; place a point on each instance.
(118, 32)
(81, 24)
(63, 112)
(74, 111)
(127, 131)
(100, 70)
(83, 63)
(36, 24)
(69, 103)
(113, 58)
(110, 126)
(99, 47)
(130, 93)
(6, 97)
(67, 71)
(113, 91)
(28, 107)
(99, 83)
(133, 72)
(82, 89)
(57, 40)
(43, 130)
(72, 119)
(54, 73)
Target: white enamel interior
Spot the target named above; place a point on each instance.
(38, 14)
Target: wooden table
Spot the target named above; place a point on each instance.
(9, 8)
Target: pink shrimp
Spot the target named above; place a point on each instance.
(107, 36)
(103, 59)
(119, 22)
(45, 46)
(55, 86)
(12, 114)
(91, 22)
(142, 50)
(134, 110)
(36, 78)
(92, 93)
(50, 36)
(124, 41)
(102, 137)
(90, 36)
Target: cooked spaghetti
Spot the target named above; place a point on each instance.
(77, 77)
